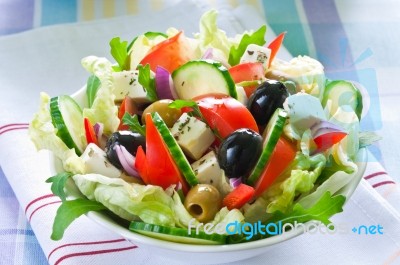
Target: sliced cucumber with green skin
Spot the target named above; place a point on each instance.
(178, 235)
(174, 149)
(202, 77)
(271, 136)
(342, 92)
(66, 116)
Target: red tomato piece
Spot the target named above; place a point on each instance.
(169, 54)
(89, 132)
(247, 72)
(275, 45)
(283, 154)
(327, 140)
(238, 197)
(127, 106)
(157, 166)
(225, 114)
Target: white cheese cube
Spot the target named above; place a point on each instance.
(192, 135)
(255, 53)
(96, 162)
(126, 83)
(304, 111)
(207, 171)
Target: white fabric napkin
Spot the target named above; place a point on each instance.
(48, 59)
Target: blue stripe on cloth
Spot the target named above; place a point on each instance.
(15, 231)
(57, 12)
(330, 39)
(5, 188)
(283, 16)
(33, 253)
(16, 16)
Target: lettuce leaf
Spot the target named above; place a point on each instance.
(69, 211)
(141, 47)
(211, 36)
(307, 169)
(44, 135)
(119, 52)
(128, 200)
(103, 109)
(258, 38)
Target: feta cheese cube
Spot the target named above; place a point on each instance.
(192, 135)
(126, 83)
(208, 171)
(96, 162)
(255, 53)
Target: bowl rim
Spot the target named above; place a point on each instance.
(105, 221)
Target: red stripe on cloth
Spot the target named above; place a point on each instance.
(13, 124)
(370, 176)
(38, 199)
(383, 183)
(90, 253)
(40, 207)
(85, 243)
(14, 128)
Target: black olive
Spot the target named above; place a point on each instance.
(239, 152)
(128, 139)
(269, 96)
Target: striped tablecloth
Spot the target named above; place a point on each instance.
(355, 40)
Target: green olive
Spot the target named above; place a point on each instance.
(169, 115)
(203, 201)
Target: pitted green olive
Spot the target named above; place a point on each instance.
(203, 201)
(169, 115)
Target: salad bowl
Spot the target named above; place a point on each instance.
(204, 254)
(233, 148)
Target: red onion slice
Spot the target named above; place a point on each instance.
(208, 54)
(127, 162)
(98, 129)
(234, 182)
(164, 85)
(324, 127)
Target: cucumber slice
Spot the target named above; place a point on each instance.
(271, 136)
(202, 77)
(179, 235)
(66, 116)
(342, 92)
(174, 149)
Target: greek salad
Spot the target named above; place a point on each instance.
(183, 131)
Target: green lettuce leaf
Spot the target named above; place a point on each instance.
(140, 47)
(92, 85)
(69, 211)
(211, 36)
(128, 200)
(367, 138)
(301, 180)
(58, 183)
(147, 81)
(103, 109)
(321, 211)
(44, 135)
(119, 50)
(258, 38)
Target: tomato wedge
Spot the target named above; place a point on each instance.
(127, 106)
(157, 166)
(274, 46)
(169, 54)
(238, 197)
(247, 72)
(225, 114)
(327, 140)
(283, 154)
(89, 132)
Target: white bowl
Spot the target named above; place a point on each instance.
(202, 253)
